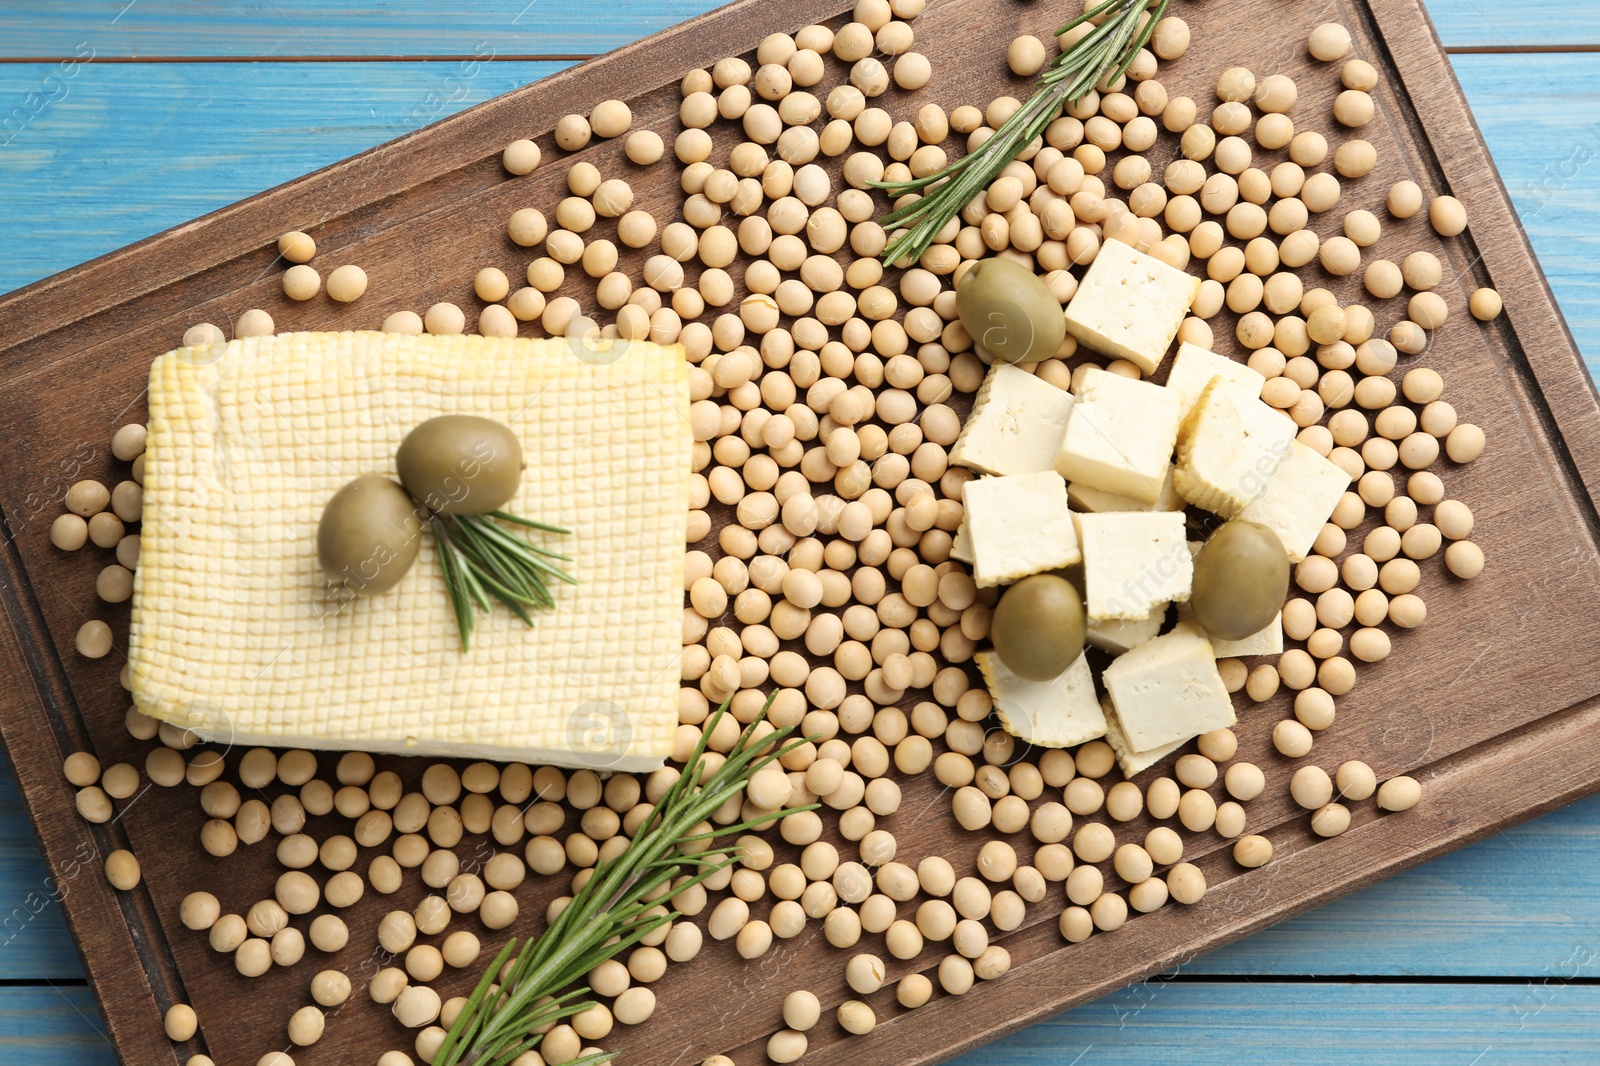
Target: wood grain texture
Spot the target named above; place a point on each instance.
(1469, 792)
(316, 28)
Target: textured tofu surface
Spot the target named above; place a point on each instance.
(1016, 424)
(1088, 498)
(1120, 436)
(1194, 367)
(1168, 690)
(1019, 525)
(1130, 305)
(1134, 563)
(236, 632)
(1229, 446)
(1298, 499)
(1132, 762)
(1060, 713)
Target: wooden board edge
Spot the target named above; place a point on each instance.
(1490, 780)
(1532, 324)
(42, 726)
(384, 171)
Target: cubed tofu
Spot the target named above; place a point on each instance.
(1117, 635)
(1168, 690)
(1229, 446)
(961, 543)
(1194, 367)
(1016, 424)
(1132, 762)
(1298, 499)
(1060, 713)
(1134, 563)
(1088, 498)
(1019, 525)
(1268, 640)
(1120, 436)
(1130, 305)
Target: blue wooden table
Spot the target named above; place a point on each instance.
(120, 118)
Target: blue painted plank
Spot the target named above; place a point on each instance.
(34, 942)
(320, 28)
(1491, 24)
(1329, 1023)
(126, 151)
(1549, 158)
(52, 1026)
(543, 27)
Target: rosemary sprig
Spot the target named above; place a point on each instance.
(529, 987)
(483, 563)
(1102, 55)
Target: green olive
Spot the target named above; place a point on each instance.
(461, 464)
(368, 536)
(1241, 578)
(1038, 627)
(1007, 309)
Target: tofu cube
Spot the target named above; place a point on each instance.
(1016, 424)
(1117, 635)
(1132, 762)
(1060, 713)
(961, 543)
(1268, 640)
(1134, 563)
(1194, 367)
(1018, 525)
(1168, 690)
(1229, 446)
(1120, 436)
(1298, 499)
(1087, 498)
(1130, 305)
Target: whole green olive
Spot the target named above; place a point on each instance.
(1007, 309)
(1038, 627)
(369, 535)
(1241, 578)
(461, 464)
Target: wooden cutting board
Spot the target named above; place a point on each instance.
(1491, 704)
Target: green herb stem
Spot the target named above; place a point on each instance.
(542, 977)
(1102, 55)
(484, 563)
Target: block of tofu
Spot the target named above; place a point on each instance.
(961, 543)
(1298, 499)
(1019, 525)
(1117, 635)
(1268, 640)
(1229, 446)
(1134, 563)
(1194, 367)
(1130, 305)
(1060, 713)
(237, 633)
(1168, 690)
(1120, 436)
(1016, 424)
(1087, 498)
(1132, 762)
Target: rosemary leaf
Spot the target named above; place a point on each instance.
(1101, 55)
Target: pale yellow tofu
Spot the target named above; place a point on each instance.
(1229, 446)
(1130, 305)
(1019, 525)
(1168, 690)
(1120, 436)
(1016, 424)
(1131, 762)
(1298, 499)
(237, 633)
(1134, 563)
(1060, 713)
